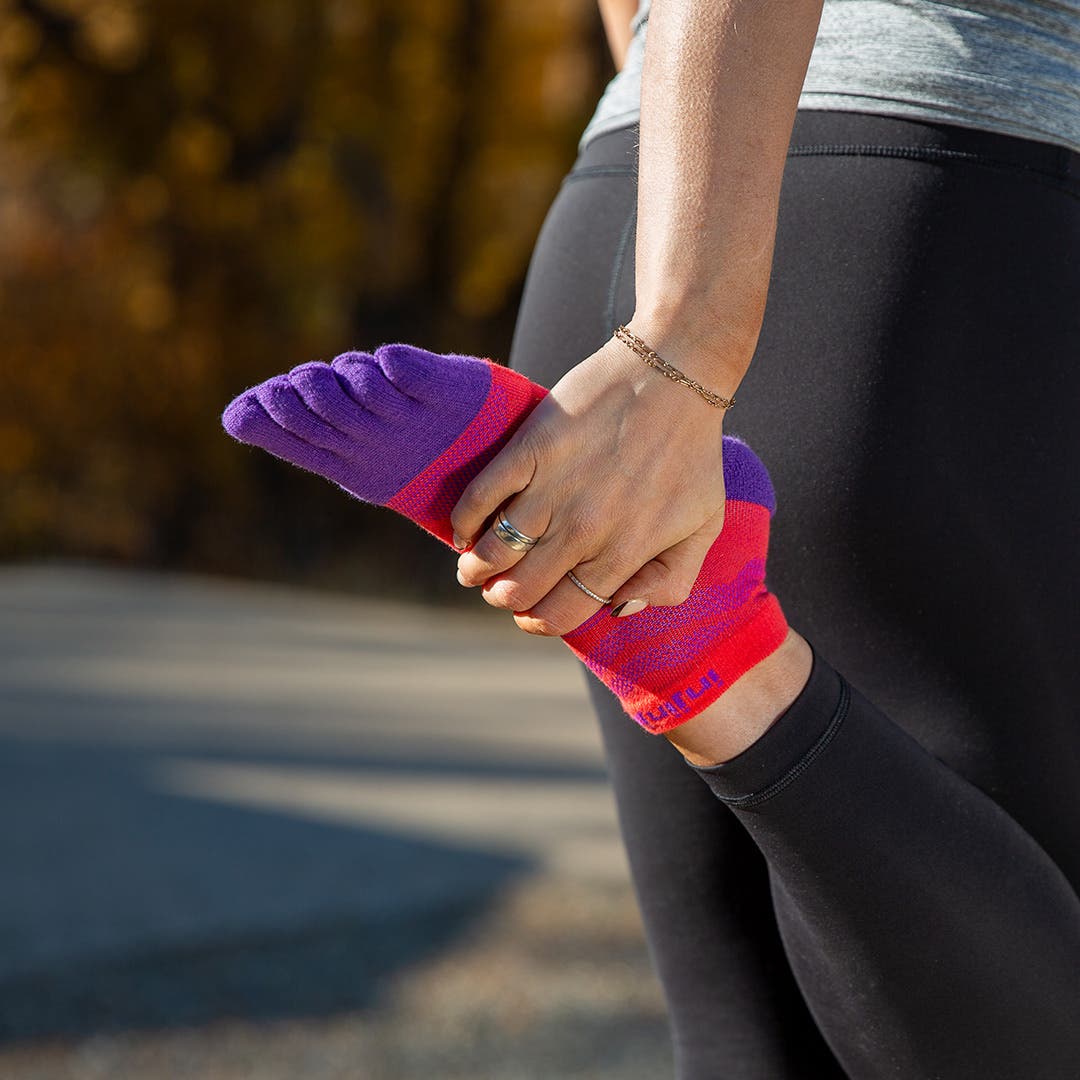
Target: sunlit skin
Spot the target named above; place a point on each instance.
(616, 16)
(741, 715)
(618, 469)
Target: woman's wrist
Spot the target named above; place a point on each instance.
(713, 350)
(719, 93)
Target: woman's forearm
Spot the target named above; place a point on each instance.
(720, 87)
(616, 16)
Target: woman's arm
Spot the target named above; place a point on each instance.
(719, 90)
(619, 468)
(616, 15)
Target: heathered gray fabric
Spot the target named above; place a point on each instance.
(998, 65)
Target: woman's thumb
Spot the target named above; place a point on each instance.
(664, 581)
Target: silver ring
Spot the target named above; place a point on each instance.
(586, 590)
(511, 537)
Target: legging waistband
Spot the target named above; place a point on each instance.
(870, 134)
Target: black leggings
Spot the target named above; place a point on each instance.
(887, 889)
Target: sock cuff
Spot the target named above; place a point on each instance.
(688, 690)
(662, 708)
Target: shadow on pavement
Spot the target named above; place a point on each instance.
(128, 907)
(224, 800)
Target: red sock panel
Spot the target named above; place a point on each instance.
(431, 496)
(667, 664)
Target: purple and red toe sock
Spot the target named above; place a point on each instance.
(409, 429)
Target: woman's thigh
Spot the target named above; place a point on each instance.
(913, 393)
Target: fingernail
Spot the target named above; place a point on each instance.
(461, 580)
(629, 607)
(460, 544)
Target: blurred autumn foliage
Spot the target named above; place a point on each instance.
(196, 194)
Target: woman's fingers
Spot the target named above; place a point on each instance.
(541, 569)
(567, 605)
(668, 580)
(491, 555)
(564, 547)
(503, 477)
(664, 581)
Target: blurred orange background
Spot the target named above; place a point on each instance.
(195, 195)
(253, 829)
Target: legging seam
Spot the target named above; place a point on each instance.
(934, 153)
(616, 271)
(584, 172)
(743, 802)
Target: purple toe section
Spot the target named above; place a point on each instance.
(450, 380)
(745, 475)
(285, 406)
(423, 400)
(366, 384)
(371, 423)
(248, 422)
(322, 393)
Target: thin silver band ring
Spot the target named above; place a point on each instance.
(586, 590)
(511, 537)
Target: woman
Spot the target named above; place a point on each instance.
(915, 378)
(869, 882)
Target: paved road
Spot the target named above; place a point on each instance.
(207, 787)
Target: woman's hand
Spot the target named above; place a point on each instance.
(619, 472)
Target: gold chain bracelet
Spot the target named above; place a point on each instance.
(653, 360)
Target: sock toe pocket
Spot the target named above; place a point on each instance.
(364, 380)
(435, 378)
(246, 420)
(320, 388)
(286, 408)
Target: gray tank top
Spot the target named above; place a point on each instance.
(998, 65)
